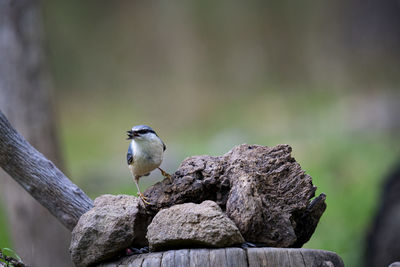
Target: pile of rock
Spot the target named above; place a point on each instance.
(254, 193)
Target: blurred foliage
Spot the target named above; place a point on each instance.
(209, 75)
(346, 162)
(9, 258)
(4, 234)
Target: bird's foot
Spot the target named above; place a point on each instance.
(132, 251)
(248, 245)
(143, 198)
(165, 174)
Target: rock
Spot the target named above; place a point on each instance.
(262, 189)
(192, 225)
(113, 224)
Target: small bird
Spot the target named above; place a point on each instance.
(145, 154)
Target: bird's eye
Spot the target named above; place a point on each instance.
(143, 131)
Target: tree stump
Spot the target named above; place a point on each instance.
(232, 257)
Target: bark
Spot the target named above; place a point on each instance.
(40, 177)
(25, 97)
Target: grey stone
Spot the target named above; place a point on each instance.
(192, 225)
(113, 224)
(262, 189)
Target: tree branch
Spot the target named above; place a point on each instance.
(40, 177)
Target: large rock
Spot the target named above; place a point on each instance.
(192, 225)
(113, 224)
(262, 189)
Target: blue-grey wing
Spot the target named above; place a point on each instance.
(129, 155)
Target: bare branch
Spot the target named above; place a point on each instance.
(40, 177)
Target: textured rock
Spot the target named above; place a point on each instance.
(262, 189)
(115, 223)
(192, 225)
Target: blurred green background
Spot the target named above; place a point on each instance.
(322, 76)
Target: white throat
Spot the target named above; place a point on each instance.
(148, 148)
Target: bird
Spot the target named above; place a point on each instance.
(145, 154)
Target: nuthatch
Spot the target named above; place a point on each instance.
(145, 153)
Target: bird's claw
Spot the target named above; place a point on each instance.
(143, 198)
(166, 175)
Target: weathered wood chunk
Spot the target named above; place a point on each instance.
(236, 257)
(218, 257)
(277, 256)
(233, 257)
(168, 258)
(311, 256)
(200, 257)
(262, 189)
(154, 259)
(256, 257)
(182, 257)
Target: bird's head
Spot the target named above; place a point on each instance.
(140, 132)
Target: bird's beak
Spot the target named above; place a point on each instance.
(130, 135)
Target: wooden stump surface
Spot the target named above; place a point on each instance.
(232, 257)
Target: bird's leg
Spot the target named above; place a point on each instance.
(165, 174)
(142, 197)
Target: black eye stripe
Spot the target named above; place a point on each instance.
(145, 131)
